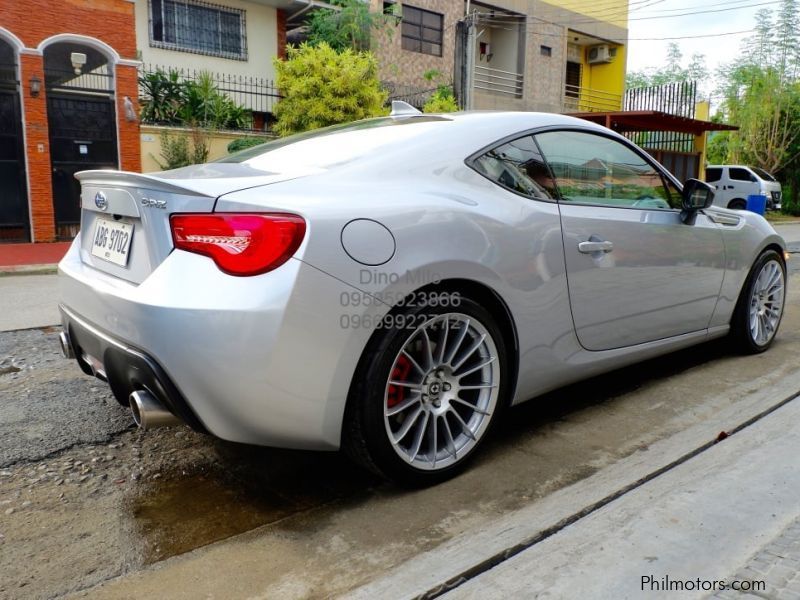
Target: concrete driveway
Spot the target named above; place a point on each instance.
(171, 513)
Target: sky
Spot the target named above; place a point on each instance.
(651, 19)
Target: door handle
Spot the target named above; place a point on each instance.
(592, 247)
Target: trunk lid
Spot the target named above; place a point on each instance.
(125, 229)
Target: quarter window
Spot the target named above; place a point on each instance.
(422, 31)
(200, 27)
(594, 169)
(519, 167)
(713, 174)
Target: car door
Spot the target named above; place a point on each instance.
(635, 272)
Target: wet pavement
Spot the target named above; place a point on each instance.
(85, 498)
(114, 500)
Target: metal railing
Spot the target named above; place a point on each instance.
(499, 81)
(581, 99)
(257, 95)
(415, 96)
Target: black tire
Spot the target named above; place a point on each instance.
(365, 438)
(740, 332)
(737, 204)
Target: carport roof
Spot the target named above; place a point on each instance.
(651, 120)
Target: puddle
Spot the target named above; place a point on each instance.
(246, 489)
(179, 516)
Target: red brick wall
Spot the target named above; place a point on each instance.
(33, 21)
(110, 21)
(129, 140)
(40, 191)
(281, 33)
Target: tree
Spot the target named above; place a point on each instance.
(761, 94)
(672, 72)
(322, 87)
(349, 25)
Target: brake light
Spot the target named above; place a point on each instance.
(240, 244)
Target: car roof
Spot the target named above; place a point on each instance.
(434, 135)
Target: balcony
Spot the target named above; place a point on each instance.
(498, 81)
(581, 99)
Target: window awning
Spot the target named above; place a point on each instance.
(651, 120)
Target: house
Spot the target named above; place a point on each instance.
(68, 94)
(556, 56)
(69, 88)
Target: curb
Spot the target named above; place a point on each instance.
(47, 269)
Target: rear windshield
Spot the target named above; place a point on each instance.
(320, 148)
(762, 173)
(713, 174)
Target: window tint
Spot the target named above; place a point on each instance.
(518, 166)
(713, 174)
(763, 174)
(593, 169)
(740, 174)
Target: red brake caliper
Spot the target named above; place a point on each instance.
(400, 372)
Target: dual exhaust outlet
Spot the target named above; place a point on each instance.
(148, 412)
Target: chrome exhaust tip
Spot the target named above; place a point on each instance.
(66, 345)
(149, 413)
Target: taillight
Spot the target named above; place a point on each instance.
(240, 244)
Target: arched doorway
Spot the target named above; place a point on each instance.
(82, 121)
(14, 217)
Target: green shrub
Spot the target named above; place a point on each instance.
(322, 87)
(443, 100)
(182, 150)
(168, 100)
(244, 143)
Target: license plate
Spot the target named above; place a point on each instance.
(112, 241)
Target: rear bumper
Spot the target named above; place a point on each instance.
(126, 369)
(259, 360)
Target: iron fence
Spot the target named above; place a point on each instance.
(415, 96)
(678, 99)
(256, 95)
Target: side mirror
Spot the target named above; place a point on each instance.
(696, 196)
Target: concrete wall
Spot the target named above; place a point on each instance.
(262, 43)
(151, 144)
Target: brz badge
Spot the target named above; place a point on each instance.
(150, 203)
(100, 201)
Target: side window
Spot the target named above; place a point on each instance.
(713, 174)
(519, 167)
(594, 169)
(741, 175)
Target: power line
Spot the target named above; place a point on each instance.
(571, 22)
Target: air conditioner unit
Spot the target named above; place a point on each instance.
(600, 54)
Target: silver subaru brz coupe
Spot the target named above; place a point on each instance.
(390, 286)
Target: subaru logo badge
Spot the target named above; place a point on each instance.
(100, 201)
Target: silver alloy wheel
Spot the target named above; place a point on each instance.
(442, 391)
(766, 302)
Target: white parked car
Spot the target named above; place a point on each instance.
(734, 183)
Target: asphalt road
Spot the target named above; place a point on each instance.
(114, 501)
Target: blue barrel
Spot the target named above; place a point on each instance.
(757, 203)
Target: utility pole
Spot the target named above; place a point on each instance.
(469, 63)
(465, 62)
